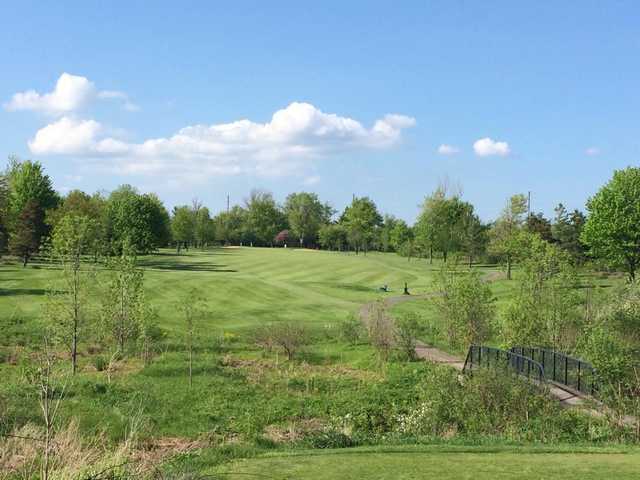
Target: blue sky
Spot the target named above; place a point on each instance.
(155, 96)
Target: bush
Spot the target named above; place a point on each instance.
(406, 331)
(289, 336)
(351, 329)
(100, 363)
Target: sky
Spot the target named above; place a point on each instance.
(380, 99)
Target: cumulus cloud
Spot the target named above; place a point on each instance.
(70, 94)
(445, 149)
(592, 151)
(286, 144)
(486, 147)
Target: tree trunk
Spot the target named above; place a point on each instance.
(508, 267)
(430, 255)
(25, 259)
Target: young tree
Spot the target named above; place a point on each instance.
(380, 329)
(504, 236)
(466, 303)
(473, 234)
(26, 232)
(306, 214)
(123, 304)
(4, 213)
(183, 226)
(192, 307)
(407, 328)
(73, 237)
(360, 220)
(612, 230)
(545, 307)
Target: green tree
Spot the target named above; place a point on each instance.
(230, 226)
(566, 231)
(333, 236)
(26, 230)
(30, 196)
(545, 307)
(538, 224)
(306, 214)
(612, 230)
(183, 226)
(73, 237)
(263, 218)
(360, 220)
(467, 305)
(399, 235)
(204, 227)
(139, 220)
(504, 236)
(192, 307)
(123, 302)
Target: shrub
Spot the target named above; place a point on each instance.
(100, 363)
(351, 329)
(406, 331)
(329, 438)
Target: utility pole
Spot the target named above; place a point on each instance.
(529, 205)
(227, 203)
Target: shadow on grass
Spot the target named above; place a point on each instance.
(184, 267)
(22, 291)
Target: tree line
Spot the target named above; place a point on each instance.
(31, 210)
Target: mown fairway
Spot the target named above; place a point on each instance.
(243, 287)
(425, 462)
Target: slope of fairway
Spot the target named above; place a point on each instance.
(242, 286)
(424, 462)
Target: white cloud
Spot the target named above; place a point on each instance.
(70, 94)
(295, 136)
(445, 149)
(592, 151)
(486, 147)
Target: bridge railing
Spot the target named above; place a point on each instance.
(483, 356)
(563, 369)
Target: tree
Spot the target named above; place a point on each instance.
(360, 219)
(544, 308)
(192, 308)
(504, 236)
(123, 304)
(612, 230)
(399, 235)
(73, 237)
(380, 329)
(4, 213)
(473, 234)
(204, 228)
(26, 232)
(467, 305)
(282, 237)
(566, 230)
(306, 214)
(30, 196)
(538, 224)
(407, 328)
(139, 220)
(332, 236)
(230, 226)
(442, 222)
(183, 226)
(263, 219)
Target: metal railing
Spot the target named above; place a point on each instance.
(482, 356)
(562, 369)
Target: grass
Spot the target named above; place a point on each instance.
(442, 463)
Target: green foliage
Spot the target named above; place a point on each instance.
(183, 225)
(140, 221)
(466, 303)
(26, 232)
(545, 308)
(306, 214)
(566, 231)
(263, 218)
(333, 236)
(505, 239)
(612, 229)
(360, 220)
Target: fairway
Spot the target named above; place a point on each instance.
(424, 463)
(242, 287)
